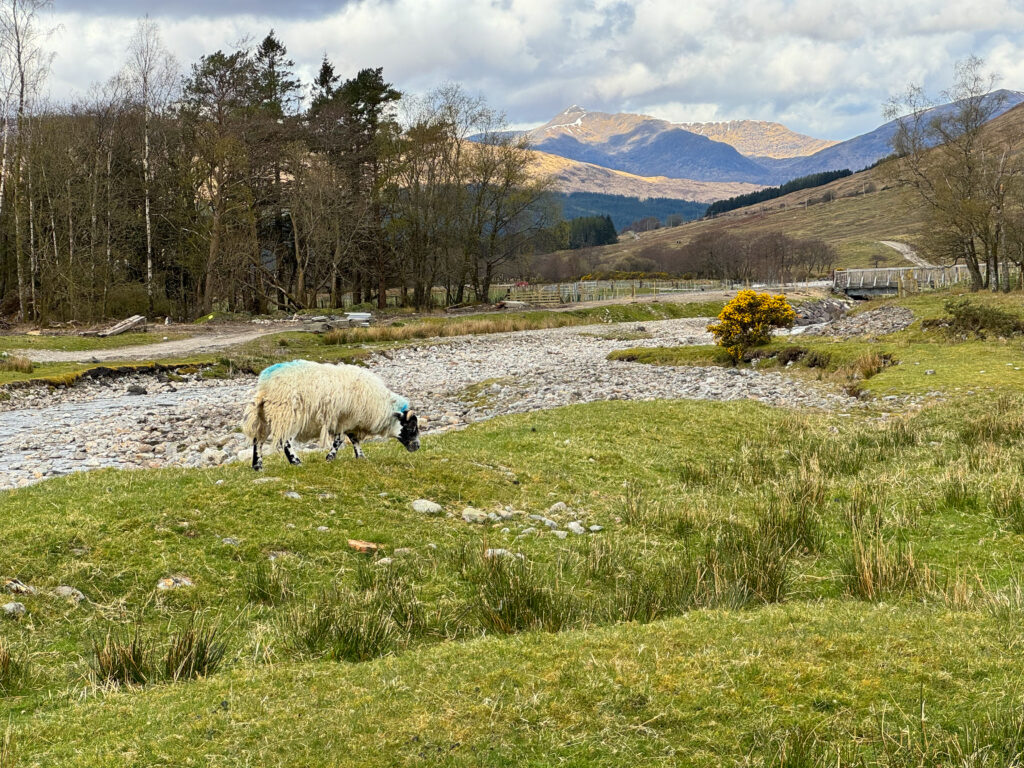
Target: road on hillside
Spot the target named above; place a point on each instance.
(907, 252)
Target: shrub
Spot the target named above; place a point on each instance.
(791, 355)
(747, 321)
(965, 316)
(818, 359)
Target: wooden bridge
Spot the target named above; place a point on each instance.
(864, 283)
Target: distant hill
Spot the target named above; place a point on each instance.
(644, 146)
(755, 138)
(746, 151)
(625, 210)
(574, 176)
(861, 151)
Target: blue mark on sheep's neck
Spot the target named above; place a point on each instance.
(401, 404)
(279, 367)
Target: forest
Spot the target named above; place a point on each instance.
(232, 186)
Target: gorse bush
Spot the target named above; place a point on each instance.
(980, 320)
(748, 320)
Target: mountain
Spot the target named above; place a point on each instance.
(866, 149)
(755, 138)
(745, 151)
(644, 146)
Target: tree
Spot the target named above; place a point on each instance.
(25, 68)
(960, 168)
(217, 99)
(152, 77)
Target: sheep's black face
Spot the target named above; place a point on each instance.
(410, 435)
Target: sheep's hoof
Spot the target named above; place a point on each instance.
(330, 456)
(295, 460)
(257, 465)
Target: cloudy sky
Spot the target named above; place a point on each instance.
(821, 67)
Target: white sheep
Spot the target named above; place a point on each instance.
(302, 400)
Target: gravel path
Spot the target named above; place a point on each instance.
(451, 383)
(907, 252)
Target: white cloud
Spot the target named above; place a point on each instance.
(823, 67)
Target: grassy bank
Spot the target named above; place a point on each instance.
(765, 581)
(919, 360)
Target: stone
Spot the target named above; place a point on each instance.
(595, 529)
(561, 534)
(18, 587)
(363, 546)
(322, 528)
(427, 507)
(13, 610)
(497, 553)
(69, 593)
(576, 527)
(472, 515)
(557, 508)
(135, 389)
(292, 495)
(174, 582)
(230, 541)
(384, 561)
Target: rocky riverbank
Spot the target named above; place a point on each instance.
(153, 421)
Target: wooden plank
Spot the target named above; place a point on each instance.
(125, 325)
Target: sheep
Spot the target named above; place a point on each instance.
(304, 400)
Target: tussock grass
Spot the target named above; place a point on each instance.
(426, 328)
(880, 569)
(12, 669)
(267, 583)
(195, 651)
(124, 658)
(343, 626)
(16, 364)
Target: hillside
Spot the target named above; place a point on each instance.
(755, 138)
(852, 214)
(575, 176)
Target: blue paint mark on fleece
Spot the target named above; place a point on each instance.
(401, 404)
(278, 368)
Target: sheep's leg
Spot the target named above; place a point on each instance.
(338, 440)
(355, 446)
(292, 458)
(257, 460)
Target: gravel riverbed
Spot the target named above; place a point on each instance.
(451, 382)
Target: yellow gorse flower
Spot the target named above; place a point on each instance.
(747, 321)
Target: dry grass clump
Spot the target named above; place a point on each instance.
(426, 329)
(878, 569)
(16, 364)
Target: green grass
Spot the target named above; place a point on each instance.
(717, 613)
(72, 343)
(925, 361)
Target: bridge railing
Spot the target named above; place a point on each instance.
(899, 278)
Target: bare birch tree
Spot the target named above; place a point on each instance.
(152, 77)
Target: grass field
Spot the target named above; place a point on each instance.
(85, 343)
(743, 598)
(768, 588)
